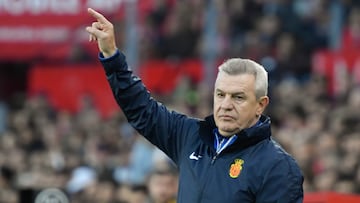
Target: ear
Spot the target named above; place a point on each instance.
(263, 102)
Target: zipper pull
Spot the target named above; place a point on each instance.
(214, 158)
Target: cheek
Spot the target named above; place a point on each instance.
(245, 110)
(216, 107)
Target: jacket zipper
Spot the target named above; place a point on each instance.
(204, 185)
(214, 158)
(221, 146)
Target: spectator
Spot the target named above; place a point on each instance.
(162, 185)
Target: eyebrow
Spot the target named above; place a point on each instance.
(232, 93)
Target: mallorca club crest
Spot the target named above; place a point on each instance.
(235, 168)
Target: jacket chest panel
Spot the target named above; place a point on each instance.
(226, 176)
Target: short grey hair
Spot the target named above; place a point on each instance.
(237, 66)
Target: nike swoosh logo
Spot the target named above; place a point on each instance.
(194, 157)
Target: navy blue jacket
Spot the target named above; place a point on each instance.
(252, 169)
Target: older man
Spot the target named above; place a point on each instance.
(228, 156)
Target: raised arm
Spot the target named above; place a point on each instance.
(166, 129)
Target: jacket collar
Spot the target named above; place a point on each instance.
(246, 137)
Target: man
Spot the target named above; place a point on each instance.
(226, 157)
(162, 185)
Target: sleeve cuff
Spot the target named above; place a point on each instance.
(102, 58)
(114, 63)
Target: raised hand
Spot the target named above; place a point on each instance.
(102, 31)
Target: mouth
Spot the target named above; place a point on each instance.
(226, 117)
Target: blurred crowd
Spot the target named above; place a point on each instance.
(90, 158)
(96, 159)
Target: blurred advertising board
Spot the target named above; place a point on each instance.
(66, 86)
(35, 29)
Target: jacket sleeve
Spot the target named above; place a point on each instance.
(164, 128)
(282, 183)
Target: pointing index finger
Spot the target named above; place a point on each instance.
(97, 15)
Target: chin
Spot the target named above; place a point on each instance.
(226, 134)
(226, 131)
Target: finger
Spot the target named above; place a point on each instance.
(97, 16)
(97, 25)
(96, 33)
(92, 38)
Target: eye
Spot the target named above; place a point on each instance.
(220, 94)
(238, 97)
